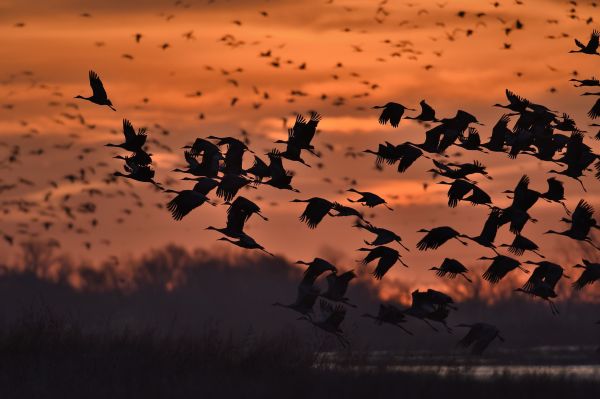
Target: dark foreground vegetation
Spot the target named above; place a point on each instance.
(42, 356)
(181, 324)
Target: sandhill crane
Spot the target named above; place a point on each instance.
(387, 258)
(315, 211)
(450, 129)
(280, 178)
(427, 113)
(259, 169)
(246, 242)
(392, 112)
(98, 93)
(479, 337)
(523, 197)
(330, 321)
(141, 173)
(541, 290)
(438, 236)
(501, 265)
(368, 199)
(520, 244)
(594, 112)
(452, 268)
(244, 207)
(555, 193)
(389, 314)
(591, 47)
(337, 285)
(141, 158)
(230, 184)
(591, 82)
(315, 268)
(500, 134)
(590, 274)
(460, 171)
(543, 281)
(516, 103)
(472, 142)
(305, 301)
(582, 221)
(133, 142)
(432, 305)
(208, 167)
(188, 200)
(237, 215)
(384, 236)
(204, 146)
(343, 211)
(302, 133)
(459, 188)
(234, 154)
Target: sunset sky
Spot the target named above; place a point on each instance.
(357, 53)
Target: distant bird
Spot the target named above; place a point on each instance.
(98, 93)
(331, 319)
(384, 236)
(479, 337)
(592, 46)
(337, 285)
(368, 199)
(590, 274)
(387, 258)
(315, 211)
(452, 268)
(501, 265)
(392, 113)
(427, 113)
(389, 314)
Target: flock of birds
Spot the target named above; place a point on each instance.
(216, 164)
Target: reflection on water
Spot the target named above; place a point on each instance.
(547, 362)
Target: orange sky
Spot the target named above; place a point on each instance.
(45, 64)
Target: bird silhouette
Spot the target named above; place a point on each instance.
(479, 337)
(315, 211)
(99, 95)
(384, 236)
(368, 199)
(330, 321)
(590, 274)
(387, 258)
(188, 200)
(337, 285)
(501, 265)
(581, 221)
(427, 113)
(437, 237)
(392, 113)
(451, 268)
(389, 314)
(591, 47)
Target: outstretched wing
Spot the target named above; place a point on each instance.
(97, 86)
